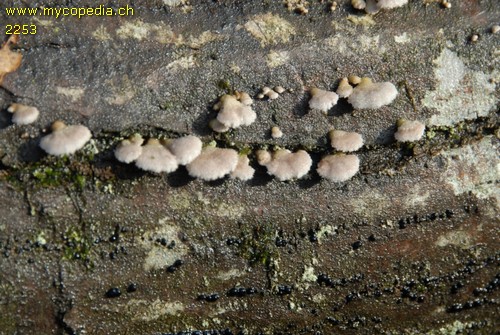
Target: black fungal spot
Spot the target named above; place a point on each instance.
(356, 245)
(113, 292)
(132, 287)
(284, 289)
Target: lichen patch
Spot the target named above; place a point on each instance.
(270, 29)
(277, 58)
(461, 94)
(72, 93)
(475, 168)
(158, 256)
(141, 30)
(144, 310)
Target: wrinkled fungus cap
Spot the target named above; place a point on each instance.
(409, 131)
(338, 167)
(185, 149)
(213, 163)
(373, 6)
(130, 149)
(233, 113)
(345, 141)
(156, 158)
(243, 170)
(322, 100)
(286, 165)
(65, 140)
(370, 95)
(23, 114)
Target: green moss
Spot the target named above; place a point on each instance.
(77, 246)
(258, 244)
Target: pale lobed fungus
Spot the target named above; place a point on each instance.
(358, 4)
(373, 6)
(156, 158)
(345, 141)
(129, 149)
(370, 95)
(244, 98)
(243, 170)
(263, 157)
(65, 140)
(23, 114)
(218, 127)
(353, 79)
(233, 113)
(409, 131)
(279, 89)
(285, 165)
(338, 167)
(495, 29)
(185, 149)
(344, 89)
(322, 100)
(213, 163)
(276, 132)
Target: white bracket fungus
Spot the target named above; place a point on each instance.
(345, 141)
(130, 149)
(339, 167)
(373, 6)
(243, 170)
(276, 132)
(213, 163)
(156, 158)
(322, 100)
(23, 114)
(344, 89)
(370, 95)
(185, 149)
(65, 140)
(233, 113)
(285, 165)
(409, 131)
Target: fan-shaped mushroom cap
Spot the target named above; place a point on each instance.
(322, 100)
(276, 132)
(344, 89)
(244, 98)
(263, 157)
(213, 163)
(345, 141)
(233, 113)
(409, 131)
(130, 149)
(243, 170)
(286, 165)
(65, 140)
(185, 149)
(156, 158)
(218, 127)
(338, 167)
(370, 95)
(23, 114)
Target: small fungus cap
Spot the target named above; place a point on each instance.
(156, 158)
(213, 163)
(322, 100)
(130, 149)
(286, 165)
(23, 114)
(185, 149)
(370, 95)
(345, 141)
(276, 132)
(65, 140)
(233, 113)
(243, 170)
(218, 127)
(344, 89)
(244, 98)
(263, 157)
(409, 131)
(338, 167)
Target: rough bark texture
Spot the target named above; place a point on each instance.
(410, 245)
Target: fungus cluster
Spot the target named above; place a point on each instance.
(213, 163)
(64, 139)
(23, 114)
(373, 6)
(370, 95)
(285, 165)
(409, 131)
(234, 112)
(322, 100)
(271, 93)
(156, 156)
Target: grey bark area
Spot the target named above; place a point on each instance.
(410, 245)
